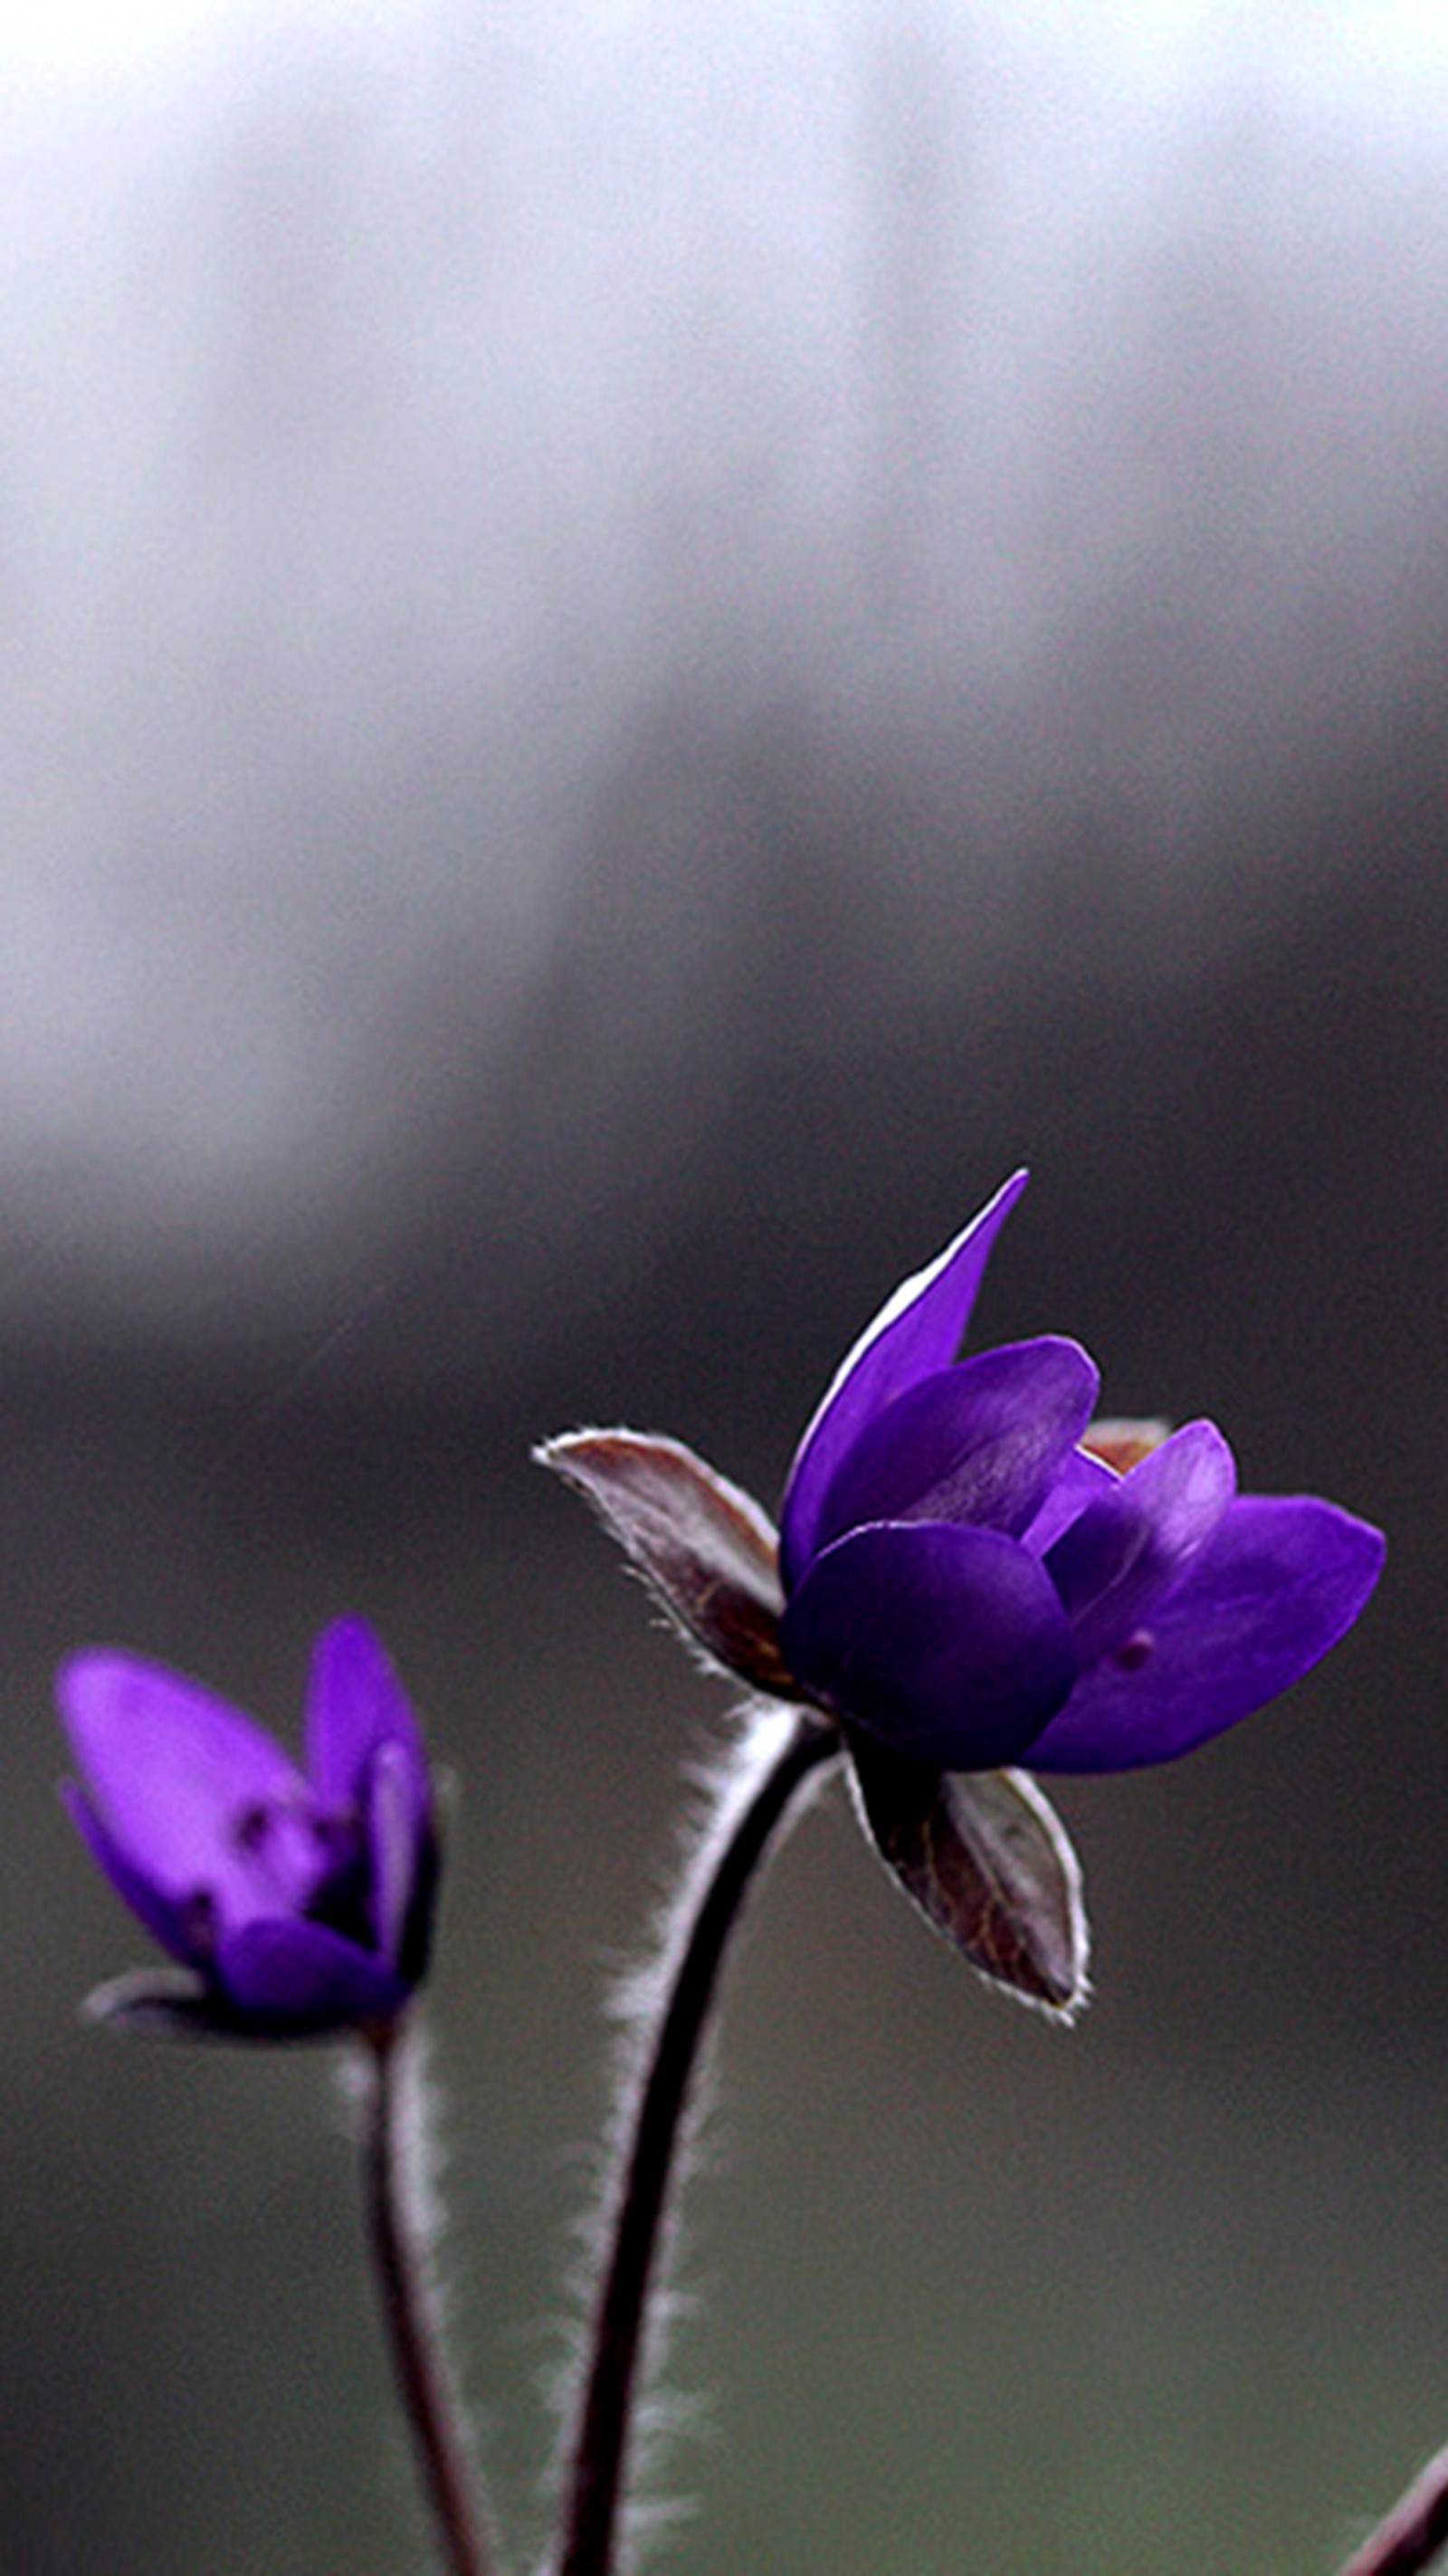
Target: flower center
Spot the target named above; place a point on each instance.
(302, 1860)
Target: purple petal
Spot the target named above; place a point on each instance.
(980, 1443)
(396, 1847)
(354, 1704)
(1274, 1587)
(177, 1779)
(302, 1978)
(918, 1330)
(1082, 1479)
(949, 1644)
(175, 1926)
(1125, 1552)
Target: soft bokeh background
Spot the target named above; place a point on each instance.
(641, 646)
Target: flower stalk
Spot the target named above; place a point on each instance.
(757, 1799)
(396, 2235)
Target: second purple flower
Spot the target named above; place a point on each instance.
(295, 1902)
(961, 1583)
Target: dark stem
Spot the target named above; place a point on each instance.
(400, 2257)
(1414, 2531)
(755, 1801)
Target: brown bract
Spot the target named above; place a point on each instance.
(704, 1548)
(985, 1857)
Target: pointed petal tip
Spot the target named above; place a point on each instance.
(351, 1633)
(918, 1330)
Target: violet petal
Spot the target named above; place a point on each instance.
(980, 1443)
(949, 1644)
(300, 1977)
(354, 1704)
(1274, 1587)
(177, 1776)
(394, 1846)
(918, 1329)
(172, 1923)
(1126, 1551)
(1082, 1479)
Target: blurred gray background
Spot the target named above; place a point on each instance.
(641, 646)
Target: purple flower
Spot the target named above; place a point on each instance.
(298, 1902)
(963, 1582)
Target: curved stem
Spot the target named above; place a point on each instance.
(754, 1802)
(1414, 2532)
(400, 2256)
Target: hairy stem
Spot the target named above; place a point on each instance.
(755, 1801)
(392, 2187)
(1413, 2533)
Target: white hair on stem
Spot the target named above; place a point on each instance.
(664, 2010)
(393, 2102)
